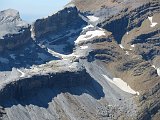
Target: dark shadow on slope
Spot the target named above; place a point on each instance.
(32, 54)
(118, 28)
(24, 57)
(42, 96)
(62, 41)
(59, 31)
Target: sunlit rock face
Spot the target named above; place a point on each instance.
(14, 32)
(92, 60)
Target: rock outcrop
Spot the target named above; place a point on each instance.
(94, 60)
(66, 19)
(14, 32)
(27, 87)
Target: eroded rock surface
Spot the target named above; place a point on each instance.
(14, 32)
(93, 60)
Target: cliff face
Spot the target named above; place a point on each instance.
(27, 87)
(133, 29)
(68, 18)
(93, 60)
(14, 32)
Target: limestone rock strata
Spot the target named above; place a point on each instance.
(65, 19)
(14, 32)
(95, 60)
(27, 87)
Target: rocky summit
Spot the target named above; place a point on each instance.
(92, 60)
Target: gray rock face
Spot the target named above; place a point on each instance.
(68, 18)
(129, 18)
(14, 32)
(98, 60)
(25, 87)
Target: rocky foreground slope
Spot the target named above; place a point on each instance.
(93, 60)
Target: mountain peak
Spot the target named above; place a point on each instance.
(98, 60)
(9, 15)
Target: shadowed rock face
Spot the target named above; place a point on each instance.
(65, 19)
(28, 87)
(14, 32)
(129, 18)
(80, 62)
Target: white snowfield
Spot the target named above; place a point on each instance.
(121, 84)
(153, 24)
(89, 35)
(93, 18)
(22, 73)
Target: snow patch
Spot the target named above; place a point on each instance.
(121, 84)
(158, 71)
(93, 18)
(32, 33)
(22, 73)
(153, 24)
(133, 45)
(127, 53)
(62, 56)
(90, 35)
(83, 47)
(154, 66)
(121, 46)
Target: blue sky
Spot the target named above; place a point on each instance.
(30, 10)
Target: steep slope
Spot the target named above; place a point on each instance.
(14, 32)
(92, 60)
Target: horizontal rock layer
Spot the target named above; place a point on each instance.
(65, 19)
(79, 94)
(27, 87)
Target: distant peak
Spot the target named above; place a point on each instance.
(9, 12)
(9, 15)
